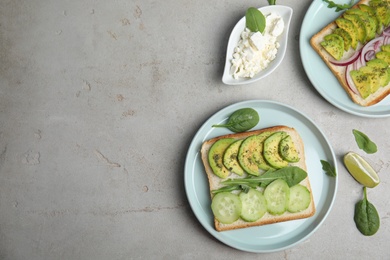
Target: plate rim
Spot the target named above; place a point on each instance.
(187, 176)
(304, 48)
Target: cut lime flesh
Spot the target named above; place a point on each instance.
(361, 170)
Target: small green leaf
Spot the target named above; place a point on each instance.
(329, 169)
(241, 120)
(364, 142)
(339, 7)
(255, 20)
(272, 2)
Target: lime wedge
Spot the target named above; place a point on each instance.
(361, 170)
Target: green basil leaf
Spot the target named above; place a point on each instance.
(364, 142)
(255, 20)
(241, 120)
(329, 169)
(366, 216)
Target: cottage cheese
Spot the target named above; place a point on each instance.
(256, 50)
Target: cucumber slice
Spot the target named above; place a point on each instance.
(299, 198)
(254, 205)
(226, 207)
(277, 195)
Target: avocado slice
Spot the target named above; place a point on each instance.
(215, 157)
(383, 55)
(346, 37)
(383, 69)
(245, 154)
(382, 9)
(334, 45)
(359, 25)
(382, 62)
(362, 82)
(377, 63)
(385, 47)
(287, 150)
(376, 76)
(369, 23)
(348, 26)
(230, 160)
(373, 19)
(271, 150)
(258, 152)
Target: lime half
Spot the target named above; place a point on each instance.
(361, 170)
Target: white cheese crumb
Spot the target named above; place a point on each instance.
(255, 51)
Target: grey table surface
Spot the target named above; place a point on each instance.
(99, 102)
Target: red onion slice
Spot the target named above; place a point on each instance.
(347, 61)
(386, 32)
(371, 46)
(369, 55)
(386, 40)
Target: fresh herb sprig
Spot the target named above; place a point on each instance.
(291, 174)
(328, 168)
(339, 7)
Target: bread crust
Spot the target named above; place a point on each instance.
(214, 181)
(340, 71)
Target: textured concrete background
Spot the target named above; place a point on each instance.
(99, 101)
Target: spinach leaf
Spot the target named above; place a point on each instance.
(291, 174)
(364, 142)
(329, 169)
(255, 20)
(241, 120)
(339, 7)
(366, 217)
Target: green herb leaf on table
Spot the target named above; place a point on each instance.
(339, 7)
(255, 20)
(329, 169)
(241, 120)
(364, 142)
(366, 216)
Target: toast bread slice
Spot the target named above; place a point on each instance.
(214, 181)
(340, 71)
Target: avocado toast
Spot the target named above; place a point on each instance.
(356, 48)
(255, 154)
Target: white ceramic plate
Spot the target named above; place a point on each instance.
(317, 17)
(285, 12)
(275, 237)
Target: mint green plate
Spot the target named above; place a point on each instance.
(318, 16)
(274, 237)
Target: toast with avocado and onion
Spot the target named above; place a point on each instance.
(356, 48)
(270, 166)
